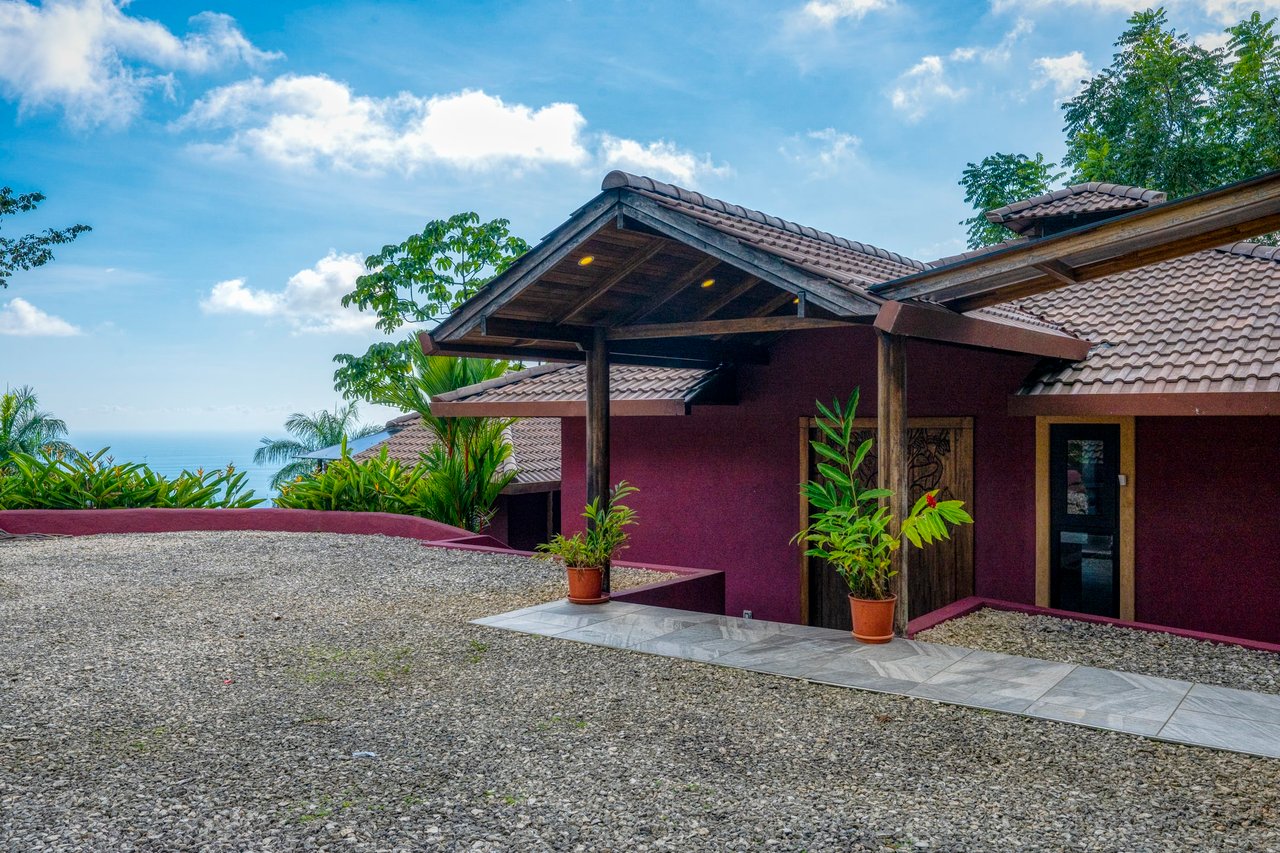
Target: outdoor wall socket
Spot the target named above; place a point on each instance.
(746, 614)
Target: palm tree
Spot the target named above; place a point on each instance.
(26, 429)
(312, 432)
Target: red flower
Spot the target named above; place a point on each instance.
(931, 500)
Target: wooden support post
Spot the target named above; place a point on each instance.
(893, 456)
(598, 424)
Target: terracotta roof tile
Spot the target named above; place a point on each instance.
(567, 383)
(535, 447)
(1206, 322)
(1092, 197)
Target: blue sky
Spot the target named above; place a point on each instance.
(238, 160)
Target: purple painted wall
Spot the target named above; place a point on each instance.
(720, 488)
(1207, 553)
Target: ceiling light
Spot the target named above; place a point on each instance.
(708, 282)
(586, 260)
(795, 301)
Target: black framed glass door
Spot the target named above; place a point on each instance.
(1084, 517)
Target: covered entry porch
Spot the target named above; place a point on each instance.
(651, 275)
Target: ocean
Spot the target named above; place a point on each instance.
(171, 453)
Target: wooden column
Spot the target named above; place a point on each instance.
(891, 451)
(598, 424)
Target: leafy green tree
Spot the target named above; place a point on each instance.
(428, 275)
(24, 428)
(312, 432)
(1247, 115)
(31, 250)
(1147, 119)
(998, 180)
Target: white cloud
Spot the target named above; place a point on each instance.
(1225, 12)
(998, 53)
(311, 300)
(922, 87)
(828, 13)
(1212, 40)
(98, 63)
(1064, 73)
(657, 159)
(315, 121)
(824, 151)
(19, 317)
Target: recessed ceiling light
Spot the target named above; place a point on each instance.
(708, 282)
(586, 260)
(795, 301)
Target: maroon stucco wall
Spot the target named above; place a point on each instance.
(719, 488)
(1207, 551)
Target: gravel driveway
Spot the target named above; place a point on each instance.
(233, 691)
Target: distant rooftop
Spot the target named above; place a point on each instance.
(1070, 206)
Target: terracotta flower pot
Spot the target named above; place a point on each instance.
(872, 618)
(584, 586)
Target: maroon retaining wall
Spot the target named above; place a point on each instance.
(88, 522)
(720, 488)
(699, 590)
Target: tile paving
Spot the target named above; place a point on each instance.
(1161, 708)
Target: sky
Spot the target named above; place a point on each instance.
(238, 161)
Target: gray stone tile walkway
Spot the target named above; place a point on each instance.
(1161, 708)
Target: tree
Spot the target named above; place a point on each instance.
(998, 180)
(1247, 118)
(312, 432)
(428, 275)
(1147, 119)
(31, 250)
(24, 428)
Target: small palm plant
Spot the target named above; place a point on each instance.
(850, 525)
(586, 555)
(312, 432)
(24, 428)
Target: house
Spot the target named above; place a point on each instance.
(528, 510)
(1101, 390)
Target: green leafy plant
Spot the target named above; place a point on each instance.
(376, 484)
(76, 480)
(24, 428)
(851, 526)
(30, 250)
(605, 536)
(312, 432)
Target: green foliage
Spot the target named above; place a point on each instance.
(26, 429)
(606, 533)
(430, 274)
(312, 432)
(998, 180)
(1247, 119)
(30, 250)
(1147, 119)
(75, 480)
(850, 525)
(451, 489)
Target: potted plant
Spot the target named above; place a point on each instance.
(850, 525)
(585, 555)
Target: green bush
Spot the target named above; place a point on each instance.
(377, 484)
(76, 480)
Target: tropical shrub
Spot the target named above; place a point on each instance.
(850, 526)
(76, 480)
(377, 484)
(605, 536)
(312, 432)
(26, 429)
(463, 480)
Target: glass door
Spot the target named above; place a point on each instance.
(1084, 493)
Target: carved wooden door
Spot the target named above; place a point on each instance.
(941, 457)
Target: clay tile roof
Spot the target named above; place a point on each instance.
(1087, 198)
(567, 383)
(535, 447)
(1206, 322)
(841, 260)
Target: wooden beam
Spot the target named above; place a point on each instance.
(893, 456)
(598, 426)
(723, 299)
(774, 304)
(673, 287)
(938, 324)
(744, 326)
(502, 327)
(689, 349)
(1057, 269)
(631, 264)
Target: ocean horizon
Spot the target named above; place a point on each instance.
(171, 453)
